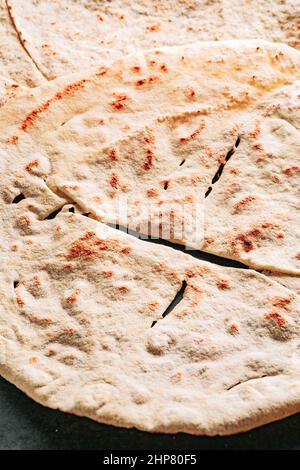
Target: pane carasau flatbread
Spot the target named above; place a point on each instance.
(87, 127)
(15, 62)
(78, 333)
(287, 280)
(64, 36)
(252, 214)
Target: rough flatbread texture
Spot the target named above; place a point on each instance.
(78, 304)
(253, 214)
(63, 36)
(159, 82)
(289, 281)
(9, 90)
(15, 63)
(160, 167)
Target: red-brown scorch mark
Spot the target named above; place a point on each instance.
(246, 241)
(275, 179)
(163, 68)
(149, 159)
(123, 289)
(297, 256)
(277, 317)
(153, 27)
(71, 299)
(114, 180)
(121, 102)
(68, 266)
(283, 302)
(244, 202)
(31, 165)
(152, 305)
(147, 80)
(197, 271)
(234, 329)
(32, 117)
(107, 273)
(89, 247)
(113, 155)
(290, 171)
(152, 192)
(195, 133)
(223, 284)
(136, 69)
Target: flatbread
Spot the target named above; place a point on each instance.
(78, 304)
(15, 63)
(156, 83)
(289, 281)
(160, 167)
(252, 214)
(63, 36)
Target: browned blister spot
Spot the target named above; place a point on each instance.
(153, 27)
(114, 180)
(71, 299)
(197, 271)
(276, 316)
(194, 134)
(113, 154)
(107, 273)
(146, 81)
(123, 289)
(153, 305)
(291, 170)
(121, 102)
(244, 202)
(31, 165)
(38, 111)
(223, 284)
(152, 192)
(284, 301)
(89, 246)
(234, 329)
(136, 68)
(248, 240)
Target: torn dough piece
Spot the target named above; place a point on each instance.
(66, 36)
(77, 308)
(252, 214)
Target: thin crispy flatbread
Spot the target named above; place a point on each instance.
(162, 170)
(63, 36)
(15, 62)
(78, 333)
(252, 214)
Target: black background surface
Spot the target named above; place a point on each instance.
(26, 425)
